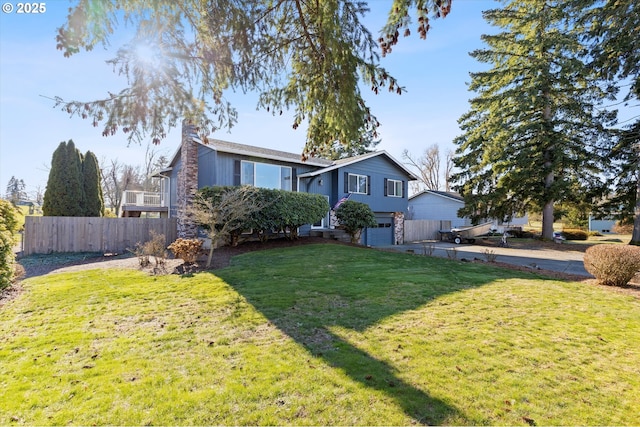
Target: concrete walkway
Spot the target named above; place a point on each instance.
(570, 262)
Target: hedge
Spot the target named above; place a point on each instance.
(283, 211)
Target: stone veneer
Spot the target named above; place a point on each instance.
(187, 181)
(398, 225)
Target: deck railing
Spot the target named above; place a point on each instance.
(144, 199)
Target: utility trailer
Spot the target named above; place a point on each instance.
(468, 234)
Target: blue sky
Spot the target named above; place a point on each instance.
(435, 73)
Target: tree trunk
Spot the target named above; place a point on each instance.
(547, 220)
(635, 237)
(547, 209)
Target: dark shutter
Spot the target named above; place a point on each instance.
(346, 182)
(369, 185)
(294, 179)
(404, 189)
(386, 187)
(236, 172)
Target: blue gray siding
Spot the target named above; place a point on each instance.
(434, 207)
(320, 184)
(216, 168)
(220, 169)
(377, 169)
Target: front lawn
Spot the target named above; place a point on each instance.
(319, 335)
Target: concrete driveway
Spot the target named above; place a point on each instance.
(564, 261)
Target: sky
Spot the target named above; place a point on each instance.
(434, 71)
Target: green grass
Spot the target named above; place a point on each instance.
(319, 335)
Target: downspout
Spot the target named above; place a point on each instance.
(168, 193)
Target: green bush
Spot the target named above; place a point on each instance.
(294, 210)
(354, 217)
(613, 265)
(282, 211)
(575, 234)
(8, 227)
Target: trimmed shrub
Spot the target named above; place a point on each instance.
(281, 211)
(623, 228)
(575, 234)
(8, 227)
(613, 265)
(294, 210)
(354, 217)
(186, 249)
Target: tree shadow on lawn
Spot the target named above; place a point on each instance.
(308, 292)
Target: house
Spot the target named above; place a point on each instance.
(444, 206)
(437, 205)
(601, 225)
(375, 178)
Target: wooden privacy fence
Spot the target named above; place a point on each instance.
(424, 229)
(46, 234)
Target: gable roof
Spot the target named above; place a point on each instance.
(265, 153)
(355, 159)
(445, 194)
(325, 165)
(250, 150)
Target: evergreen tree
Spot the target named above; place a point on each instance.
(310, 56)
(16, 190)
(64, 195)
(624, 204)
(615, 47)
(534, 134)
(94, 201)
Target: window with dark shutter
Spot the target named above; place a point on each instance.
(236, 172)
(394, 188)
(294, 179)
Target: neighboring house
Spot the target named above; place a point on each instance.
(601, 225)
(437, 205)
(376, 179)
(444, 206)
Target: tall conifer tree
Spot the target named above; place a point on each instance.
(64, 195)
(615, 48)
(94, 201)
(533, 135)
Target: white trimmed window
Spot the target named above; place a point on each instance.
(358, 184)
(264, 175)
(394, 188)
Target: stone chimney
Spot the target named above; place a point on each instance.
(187, 181)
